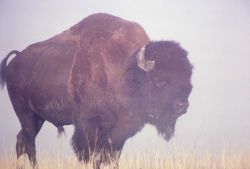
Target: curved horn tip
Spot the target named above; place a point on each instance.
(146, 65)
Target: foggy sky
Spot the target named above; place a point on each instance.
(216, 33)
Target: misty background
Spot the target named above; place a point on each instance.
(216, 33)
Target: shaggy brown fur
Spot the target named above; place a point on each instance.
(88, 76)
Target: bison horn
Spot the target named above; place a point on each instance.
(146, 65)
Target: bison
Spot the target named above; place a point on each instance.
(105, 77)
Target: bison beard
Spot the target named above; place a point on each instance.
(105, 77)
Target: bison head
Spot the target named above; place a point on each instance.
(163, 82)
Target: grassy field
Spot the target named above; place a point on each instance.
(174, 160)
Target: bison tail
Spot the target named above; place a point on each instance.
(3, 67)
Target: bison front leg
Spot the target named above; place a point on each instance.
(80, 145)
(120, 133)
(84, 140)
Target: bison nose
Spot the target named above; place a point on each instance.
(181, 106)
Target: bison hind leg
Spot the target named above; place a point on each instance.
(30, 121)
(25, 145)
(20, 144)
(31, 124)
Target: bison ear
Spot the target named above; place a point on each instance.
(146, 65)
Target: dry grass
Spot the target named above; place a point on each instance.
(174, 160)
